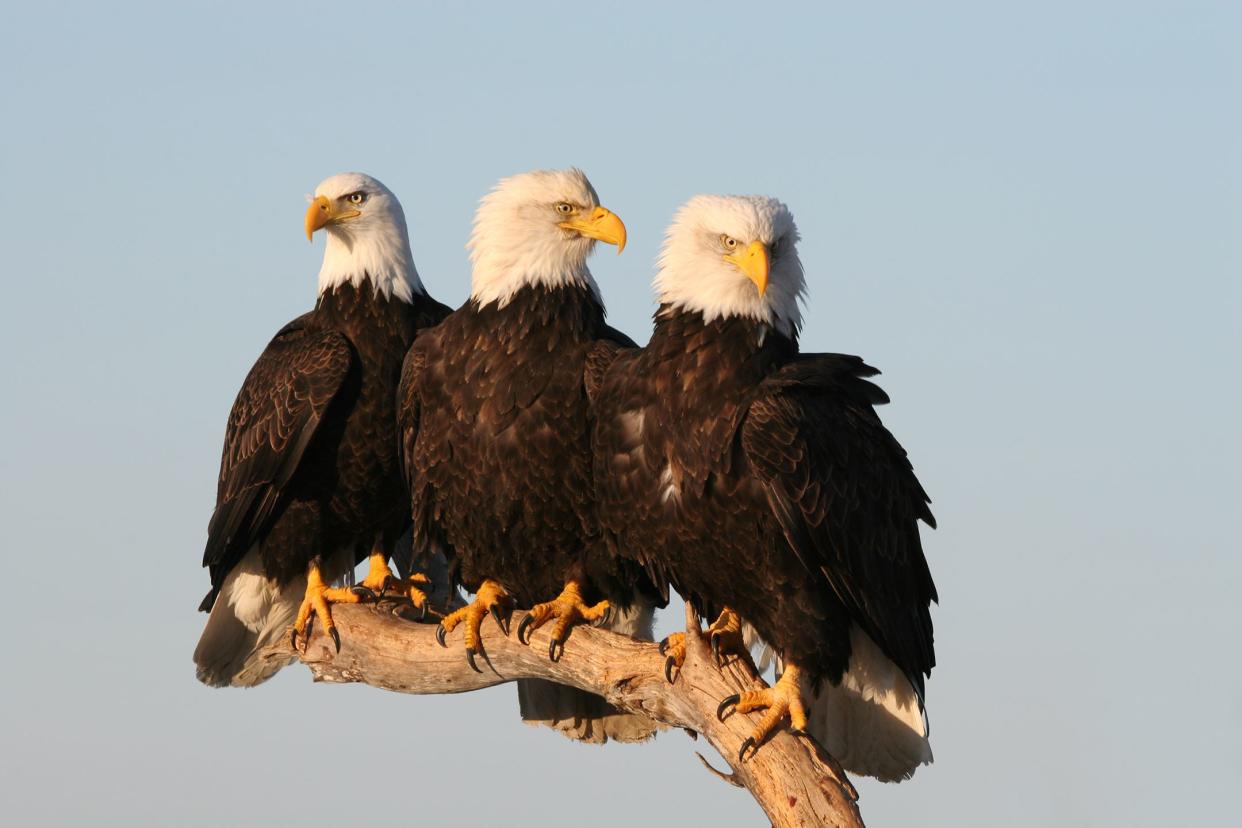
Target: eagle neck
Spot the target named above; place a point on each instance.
(741, 351)
(371, 321)
(572, 311)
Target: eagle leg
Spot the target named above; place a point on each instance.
(318, 600)
(491, 598)
(785, 699)
(568, 609)
(725, 634)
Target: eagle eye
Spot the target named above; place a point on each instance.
(564, 207)
(728, 241)
(356, 198)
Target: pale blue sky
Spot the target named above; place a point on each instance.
(1029, 219)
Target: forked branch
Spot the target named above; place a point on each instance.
(795, 782)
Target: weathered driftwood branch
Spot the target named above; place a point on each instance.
(794, 781)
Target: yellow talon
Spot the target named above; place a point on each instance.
(673, 649)
(318, 600)
(380, 579)
(492, 598)
(725, 634)
(568, 609)
(785, 699)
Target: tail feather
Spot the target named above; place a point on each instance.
(586, 717)
(249, 614)
(873, 721)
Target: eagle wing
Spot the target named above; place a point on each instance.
(846, 498)
(274, 418)
(625, 460)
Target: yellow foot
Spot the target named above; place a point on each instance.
(785, 699)
(380, 579)
(318, 601)
(568, 609)
(492, 598)
(673, 649)
(725, 634)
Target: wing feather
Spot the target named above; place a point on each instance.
(273, 420)
(847, 499)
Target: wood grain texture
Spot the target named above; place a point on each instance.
(791, 778)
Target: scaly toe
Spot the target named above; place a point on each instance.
(569, 610)
(725, 635)
(673, 649)
(780, 702)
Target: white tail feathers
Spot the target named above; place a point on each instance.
(249, 614)
(872, 721)
(586, 717)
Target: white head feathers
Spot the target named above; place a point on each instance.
(518, 238)
(694, 273)
(367, 237)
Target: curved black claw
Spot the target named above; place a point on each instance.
(293, 638)
(716, 646)
(664, 645)
(524, 629)
(422, 611)
(556, 649)
(470, 660)
(336, 637)
(749, 744)
(440, 631)
(603, 620)
(502, 621)
(669, 664)
(366, 593)
(728, 702)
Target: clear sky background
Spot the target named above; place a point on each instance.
(1029, 219)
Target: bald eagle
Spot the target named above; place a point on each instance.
(761, 484)
(494, 418)
(310, 478)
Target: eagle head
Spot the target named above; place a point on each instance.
(538, 229)
(733, 256)
(367, 236)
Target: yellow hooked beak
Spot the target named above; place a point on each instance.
(321, 213)
(603, 224)
(755, 262)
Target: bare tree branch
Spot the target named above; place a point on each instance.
(791, 778)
